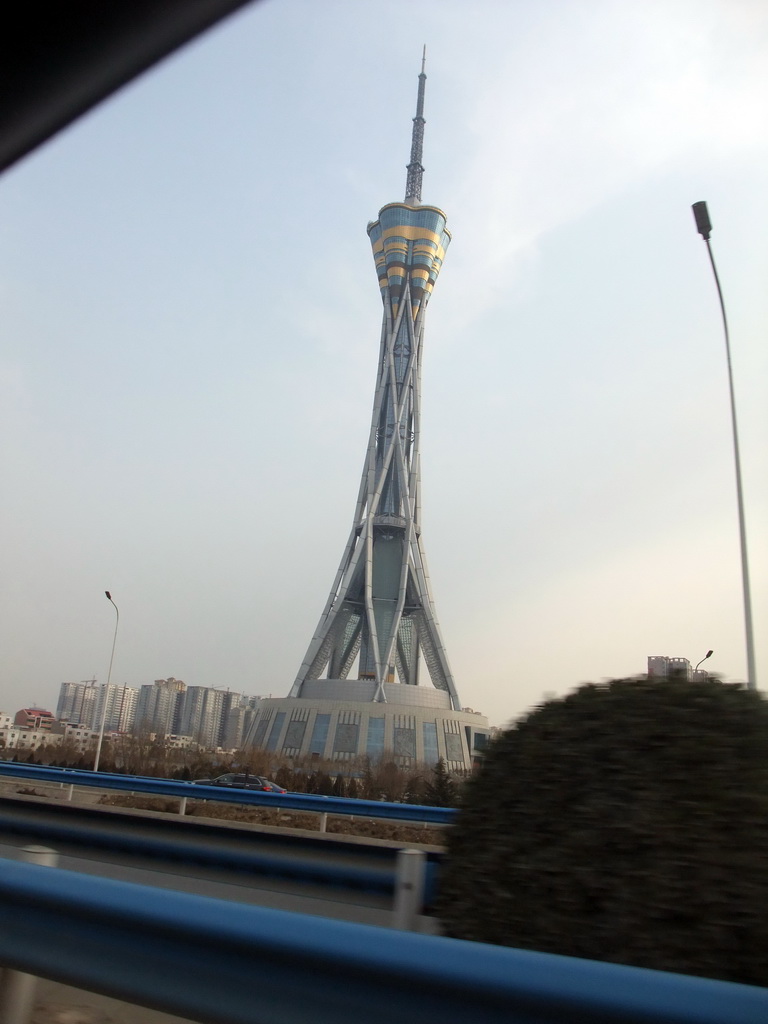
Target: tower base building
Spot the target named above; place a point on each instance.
(338, 720)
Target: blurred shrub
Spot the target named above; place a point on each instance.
(627, 822)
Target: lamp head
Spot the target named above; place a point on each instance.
(703, 223)
(109, 596)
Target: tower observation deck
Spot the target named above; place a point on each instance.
(378, 630)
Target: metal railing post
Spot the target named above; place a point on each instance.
(17, 990)
(409, 889)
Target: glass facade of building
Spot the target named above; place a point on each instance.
(319, 734)
(275, 733)
(261, 731)
(430, 743)
(375, 744)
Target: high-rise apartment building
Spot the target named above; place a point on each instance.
(120, 711)
(203, 716)
(159, 705)
(239, 722)
(77, 702)
(167, 707)
(664, 667)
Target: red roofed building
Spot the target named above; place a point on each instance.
(34, 718)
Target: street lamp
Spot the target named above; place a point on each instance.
(704, 227)
(707, 655)
(109, 680)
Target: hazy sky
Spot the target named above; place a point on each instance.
(190, 329)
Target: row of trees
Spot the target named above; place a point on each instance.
(384, 780)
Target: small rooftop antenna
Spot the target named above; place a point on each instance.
(415, 167)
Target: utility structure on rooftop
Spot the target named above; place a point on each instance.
(380, 615)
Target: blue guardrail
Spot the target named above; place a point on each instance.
(213, 961)
(295, 801)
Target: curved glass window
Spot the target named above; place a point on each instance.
(430, 743)
(375, 741)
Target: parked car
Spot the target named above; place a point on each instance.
(243, 781)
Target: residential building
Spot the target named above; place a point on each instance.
(664, 667)
(120, 710)
(34, 718)
(202, 715)
(159, 706)
(77, 702)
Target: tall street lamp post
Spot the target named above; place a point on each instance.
(704, 227)
(109, 680)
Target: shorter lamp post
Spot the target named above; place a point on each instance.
(707, 655)
(106, 692)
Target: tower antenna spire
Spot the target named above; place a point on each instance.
(415, 167)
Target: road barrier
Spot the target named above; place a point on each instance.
(189, 791)
(378, 870)
(333, 865)
(208, 960)
(17, 989)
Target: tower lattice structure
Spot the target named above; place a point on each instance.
(380, 610)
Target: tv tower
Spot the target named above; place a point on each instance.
(380, 608)
(359, 690)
